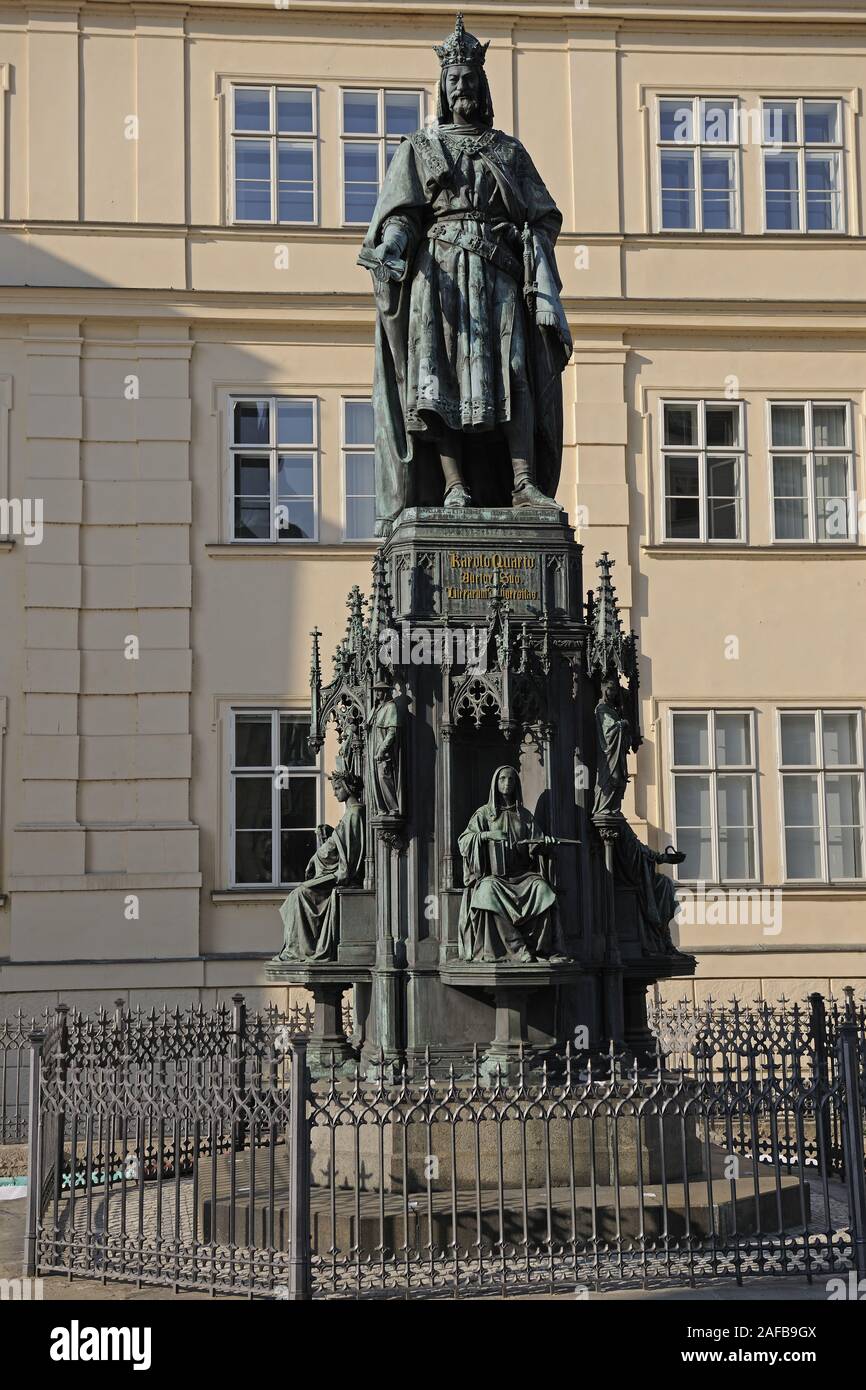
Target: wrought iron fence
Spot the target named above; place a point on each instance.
(202, 1154)
(121, 1032)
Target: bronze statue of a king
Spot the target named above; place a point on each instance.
(471, 337)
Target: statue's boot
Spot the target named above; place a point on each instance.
(458, 496)
(525, 493)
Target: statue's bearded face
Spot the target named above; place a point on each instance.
(463, 91)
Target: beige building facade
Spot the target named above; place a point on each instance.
(186, 455)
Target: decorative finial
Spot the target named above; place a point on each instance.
(461, 48)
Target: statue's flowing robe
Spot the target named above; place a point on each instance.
(309, 912)
(454, 338)
(635, 864)
(503, 912)
(387, 775)
(613, 739)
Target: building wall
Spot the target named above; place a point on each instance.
(131, 310)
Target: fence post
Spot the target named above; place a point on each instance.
(852, 1141)
(818, 1029)
(239, 1069)
(37, 1040)
(299, 1175)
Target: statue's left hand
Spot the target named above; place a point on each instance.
(545, 319)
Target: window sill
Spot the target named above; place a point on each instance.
(289, 550)
(250, 895)
(674, 550)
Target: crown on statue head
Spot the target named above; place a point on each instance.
(461, 48)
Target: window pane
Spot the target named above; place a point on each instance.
(733, 740)
(723, 426)
(717, 191)
(253, 851)
(360, 518)
(253, 740)
(830, 426)
(402, 112)
(361, 113)
(723, 508)
(692, 799)
(294, 422)
(252, 475)
(736, 820)
(790, 507)
(252, 108)
(845, 851)
(831, 497)
(736, 853)
(295, 186)
(723, 519)
(252, 422)
(802, 834)
(359, 422)
(681, 425)
(295, 750)
(294, 476)
(718, 122)
(735, 802)
(297, 848)
(781, 192)
(294, 112)
(360, 475)
(682, 519)
(803, 853)
(676, 119)
(780, 122)
(253, 807)
(844, 828)
(823, 198)
(799, 747)
(841, 747)
(253, 180)
(298, 804)
(722, 477)
(678, 191)
(361, 180)
(691, 740)
(788, 426)
(821, 120)
(252, 519)
(301, 521)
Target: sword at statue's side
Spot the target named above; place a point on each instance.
(549, 840)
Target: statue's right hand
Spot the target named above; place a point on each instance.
(497, 835)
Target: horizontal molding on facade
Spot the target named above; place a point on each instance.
(600, 15)
(283, 550)
(818, 551)
(102, 883)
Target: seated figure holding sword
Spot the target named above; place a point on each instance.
(509, 910)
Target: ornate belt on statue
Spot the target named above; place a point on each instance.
(452, 231)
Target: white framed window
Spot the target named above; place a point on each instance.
(274, 149)
(698, 164)
(274, 468)
(275, 798)
(812, 471)
(803, 165)
(713, 771)
(821, 769)
(703, 470)
(359, 484)
(373, 122)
